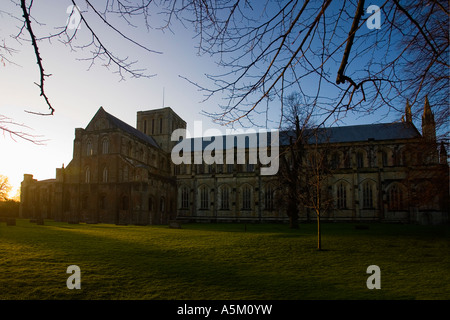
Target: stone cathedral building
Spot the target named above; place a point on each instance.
(124, 175)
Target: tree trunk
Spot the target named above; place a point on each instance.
(293, 215)
(319, 235)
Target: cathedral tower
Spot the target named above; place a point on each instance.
(159, 124)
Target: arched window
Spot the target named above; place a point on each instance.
(87, 176)
(185, 198)
(225, 198)
(129, 149)
(105, 146)
(150, 204)
(89, 148)
(367, 194)
(105, 174)
(162, 204)
(395, 198)
(204, 198)
(341, 196)
(268, 198)
(246, 198)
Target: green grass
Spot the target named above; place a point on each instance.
(223, 261)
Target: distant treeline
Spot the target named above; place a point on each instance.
(9, 208)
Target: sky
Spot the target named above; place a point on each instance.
(77, 91)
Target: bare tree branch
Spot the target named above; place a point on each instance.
(26, 16)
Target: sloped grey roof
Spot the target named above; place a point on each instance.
(357, 133)
(131, 130)
(368, 132)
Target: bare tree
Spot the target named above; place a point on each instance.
(18, 131)
(5, 187)
(343, 56)
(304, 170)
(315, 194)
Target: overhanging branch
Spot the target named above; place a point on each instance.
(26, 16)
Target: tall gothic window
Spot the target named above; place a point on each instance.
(225, 198)
(105, 174)
(367, 195)
(185, 198)
(204, 198)
(341, 200)
(105, 146)
(395, 198)
(268, 198)
(150, 204)
(89, 148)
(246, 198)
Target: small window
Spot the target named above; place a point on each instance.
(87, 177)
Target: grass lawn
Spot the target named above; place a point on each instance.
(223, 261)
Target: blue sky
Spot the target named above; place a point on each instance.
(76, 92)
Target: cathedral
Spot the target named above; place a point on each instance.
(121, 174)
